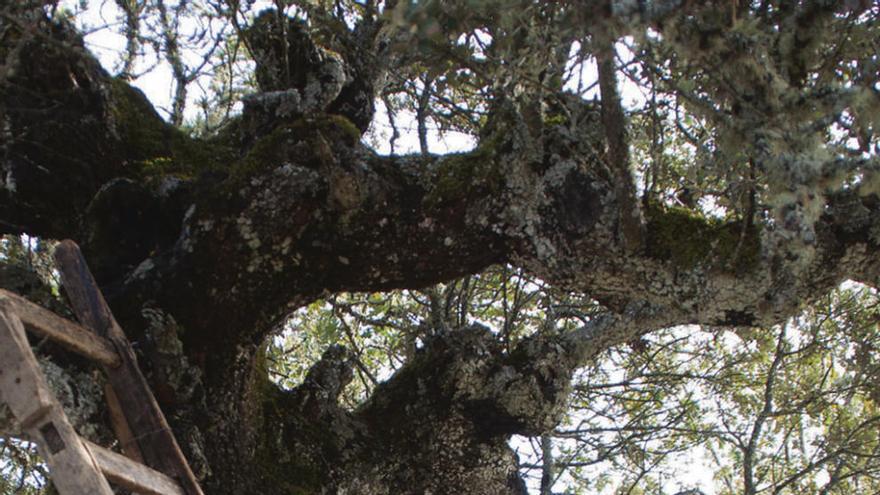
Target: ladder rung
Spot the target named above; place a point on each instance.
(132, 475)
(157, 445)
(65, 332)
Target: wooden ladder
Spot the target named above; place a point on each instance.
(153, 462)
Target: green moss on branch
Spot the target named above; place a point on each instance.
(155, 148)
(687, 239)
(462, 175)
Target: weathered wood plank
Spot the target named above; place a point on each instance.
(124, 435)
(24, 389)
(132, 475)
(72, 467)
(21, 381)
(66, 333)
(155, 440)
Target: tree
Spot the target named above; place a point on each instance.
(744, 188)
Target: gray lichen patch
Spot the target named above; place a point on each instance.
(169, 366)
(80, 394)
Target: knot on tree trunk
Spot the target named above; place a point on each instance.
(522, 392)
(467, 372)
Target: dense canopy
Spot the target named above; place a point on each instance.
(636, 261)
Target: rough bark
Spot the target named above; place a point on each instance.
(203, 246)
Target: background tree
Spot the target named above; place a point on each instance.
(254, 258)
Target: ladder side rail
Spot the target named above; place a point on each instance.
(23, 387)
(156, 442)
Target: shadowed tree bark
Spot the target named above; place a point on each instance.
(214, 241)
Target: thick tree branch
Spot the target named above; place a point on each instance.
(307, 209)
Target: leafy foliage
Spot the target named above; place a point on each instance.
(21, 470)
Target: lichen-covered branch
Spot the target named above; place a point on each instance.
(307, 209)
